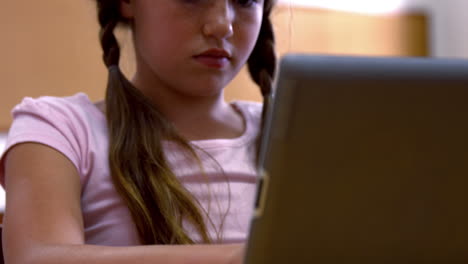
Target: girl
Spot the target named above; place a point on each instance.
(164, 168)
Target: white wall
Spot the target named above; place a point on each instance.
(360, 6)
(2, 192)
(2, 141)
(449, 33)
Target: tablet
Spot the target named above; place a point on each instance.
(364, 160)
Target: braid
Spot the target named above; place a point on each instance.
(109, 16)
(262, 61)
(262, 65)
(156, 199)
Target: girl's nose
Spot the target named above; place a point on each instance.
(219, 20)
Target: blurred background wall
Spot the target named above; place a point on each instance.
(50, 47)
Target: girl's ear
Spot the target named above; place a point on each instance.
(126, 9)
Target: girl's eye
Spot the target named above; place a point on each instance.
(191, 1)
(246, 3)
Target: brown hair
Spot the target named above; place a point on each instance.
(157, 201)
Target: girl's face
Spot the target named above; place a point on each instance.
(192, 47)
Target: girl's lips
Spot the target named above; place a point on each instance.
(215, 62)
(214, 58)
(215, 53)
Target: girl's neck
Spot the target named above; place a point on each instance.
(197, 117)
(207, 121)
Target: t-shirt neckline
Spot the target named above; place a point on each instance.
(246, 137)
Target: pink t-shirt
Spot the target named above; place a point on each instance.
(77, 128)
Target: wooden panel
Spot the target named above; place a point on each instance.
(50, 47)
(332, 32)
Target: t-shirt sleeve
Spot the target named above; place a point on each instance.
(40, 121)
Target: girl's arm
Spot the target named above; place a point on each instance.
(44, 224)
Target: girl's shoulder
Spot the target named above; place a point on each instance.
(75, 112)
(250, 105)
(74, 105)
(71, 125)
(250, 109)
